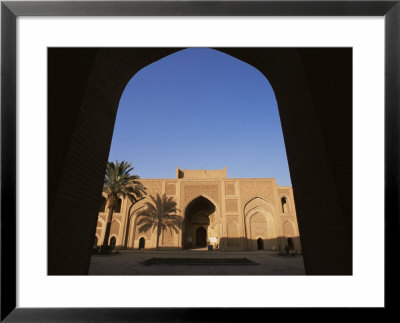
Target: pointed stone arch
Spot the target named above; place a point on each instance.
(289, 229)
(134, 234)
(199, 211)
(291, 235)
(256, 201)
(196, 197)
(260, 222)
(129, 229)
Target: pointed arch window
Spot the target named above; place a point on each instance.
(284, 205)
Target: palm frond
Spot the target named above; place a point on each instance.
(118, 182)
(160, 211)
(145, 227)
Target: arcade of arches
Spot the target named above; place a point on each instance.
(228, 213)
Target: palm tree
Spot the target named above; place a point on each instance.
(118, 182)
(160, 213)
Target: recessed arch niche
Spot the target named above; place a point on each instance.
(260, 222)
(199, 223)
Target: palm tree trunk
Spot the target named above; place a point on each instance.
(127, 232)
(108, 228)
(128, 222)
(158, 233)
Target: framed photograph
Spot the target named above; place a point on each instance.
(334, 69)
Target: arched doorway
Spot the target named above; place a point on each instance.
(259, 224)
(197, 223)
(290, 243)
(201, 237)
(294, 110)
(260, 244)
(141, 243)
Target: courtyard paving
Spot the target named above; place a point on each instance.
(130, 263)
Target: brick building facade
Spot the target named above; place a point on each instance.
(228, 213)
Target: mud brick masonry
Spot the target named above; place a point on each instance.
(228, 213)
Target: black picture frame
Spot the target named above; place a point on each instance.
(10, 10)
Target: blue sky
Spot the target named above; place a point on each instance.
(200, 109)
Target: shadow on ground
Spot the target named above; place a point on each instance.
(198, 262)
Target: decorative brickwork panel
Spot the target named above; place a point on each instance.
(231, 205)
(192, 190)
(168, 238)
(250, 189)
(171, 189)
(230, 189)
(153, 187)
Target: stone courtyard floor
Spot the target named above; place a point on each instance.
(130, 263)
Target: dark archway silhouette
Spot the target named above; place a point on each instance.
(113, 241)
(290, 243)
(201, 237)
(260, 244)
(142, 243)
(85, 86)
